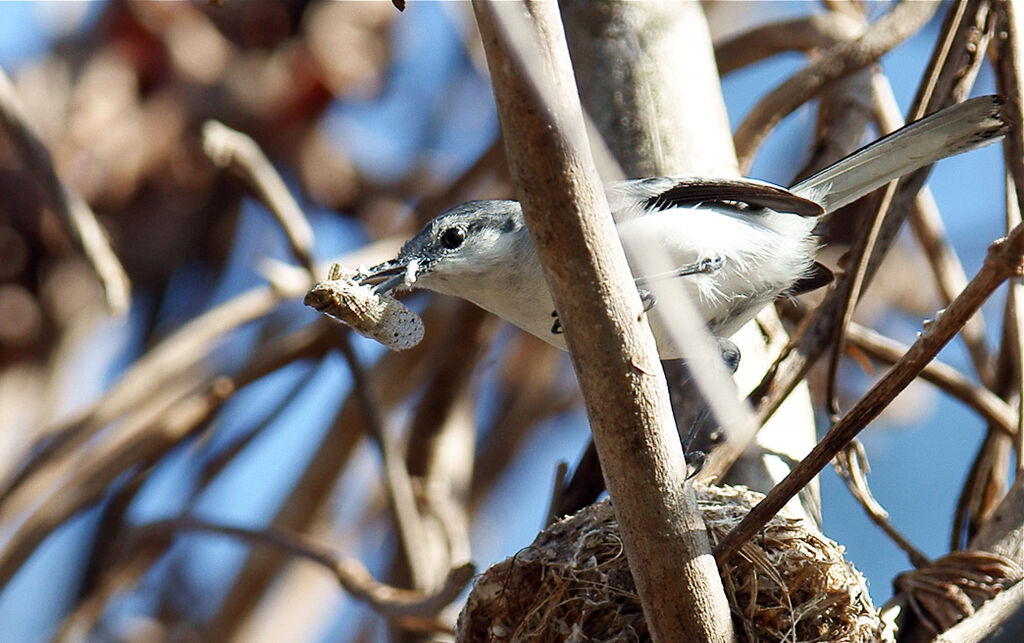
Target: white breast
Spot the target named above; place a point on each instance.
(762, 255)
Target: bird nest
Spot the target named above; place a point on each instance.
(789, 583)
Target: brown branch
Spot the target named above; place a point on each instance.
(842, 60)
(985, 403)
(1009, 67)
(926, 224)
(90, 481)
(1002, 262)
(816, 333)
(611, 346)
(851, 466)
(230, 148)
(352, 575)
(398, 483)
(818, 31)
(74, 212)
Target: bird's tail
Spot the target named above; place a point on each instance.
(948, 132)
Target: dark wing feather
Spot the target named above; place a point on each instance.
(754, 194)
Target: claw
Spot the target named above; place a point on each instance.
(695, 461)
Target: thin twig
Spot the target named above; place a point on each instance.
(978, 398)
(411, 531)
(1009, 66)
(230, 148)
(818, 31)
(851, 467)
(817, 332)
(1014, 330)
(955, 44)
(926, 224)
(352, 575)
(843, 59)
(72, 209)
(88, 484)
(1002, 262)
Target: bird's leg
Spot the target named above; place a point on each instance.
(556, 327)
(647, 299)
(705, 266)
(696, 458)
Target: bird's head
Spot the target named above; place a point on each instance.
(461, 247)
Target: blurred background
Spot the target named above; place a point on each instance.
(234, 403)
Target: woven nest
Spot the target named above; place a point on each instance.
(573, 583)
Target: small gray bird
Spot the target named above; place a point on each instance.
(736, 244)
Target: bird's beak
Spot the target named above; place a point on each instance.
(389, 275)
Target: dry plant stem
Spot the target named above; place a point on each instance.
(986, 480)
(1002, 262)
(352, 575)
(74, 212)
(1003, 532)
(844, 59)
(91, 482)
(393, 377)
(926, 223)
(610, 344)
(984, 402)
(948, 63)
(818, 31)
(178, 354)
(1009, 66)
(1000, 619)
(852, 470)
(964, 26)
(411, 531)
(1014, 329)
(230, 148)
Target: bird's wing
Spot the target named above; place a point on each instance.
(950, 131)
(635, 197)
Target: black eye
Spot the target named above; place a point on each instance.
(453, 237)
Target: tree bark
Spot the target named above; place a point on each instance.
(611, 346)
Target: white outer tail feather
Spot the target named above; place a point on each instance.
(948, 132)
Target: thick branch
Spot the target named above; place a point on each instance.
(611, 346)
